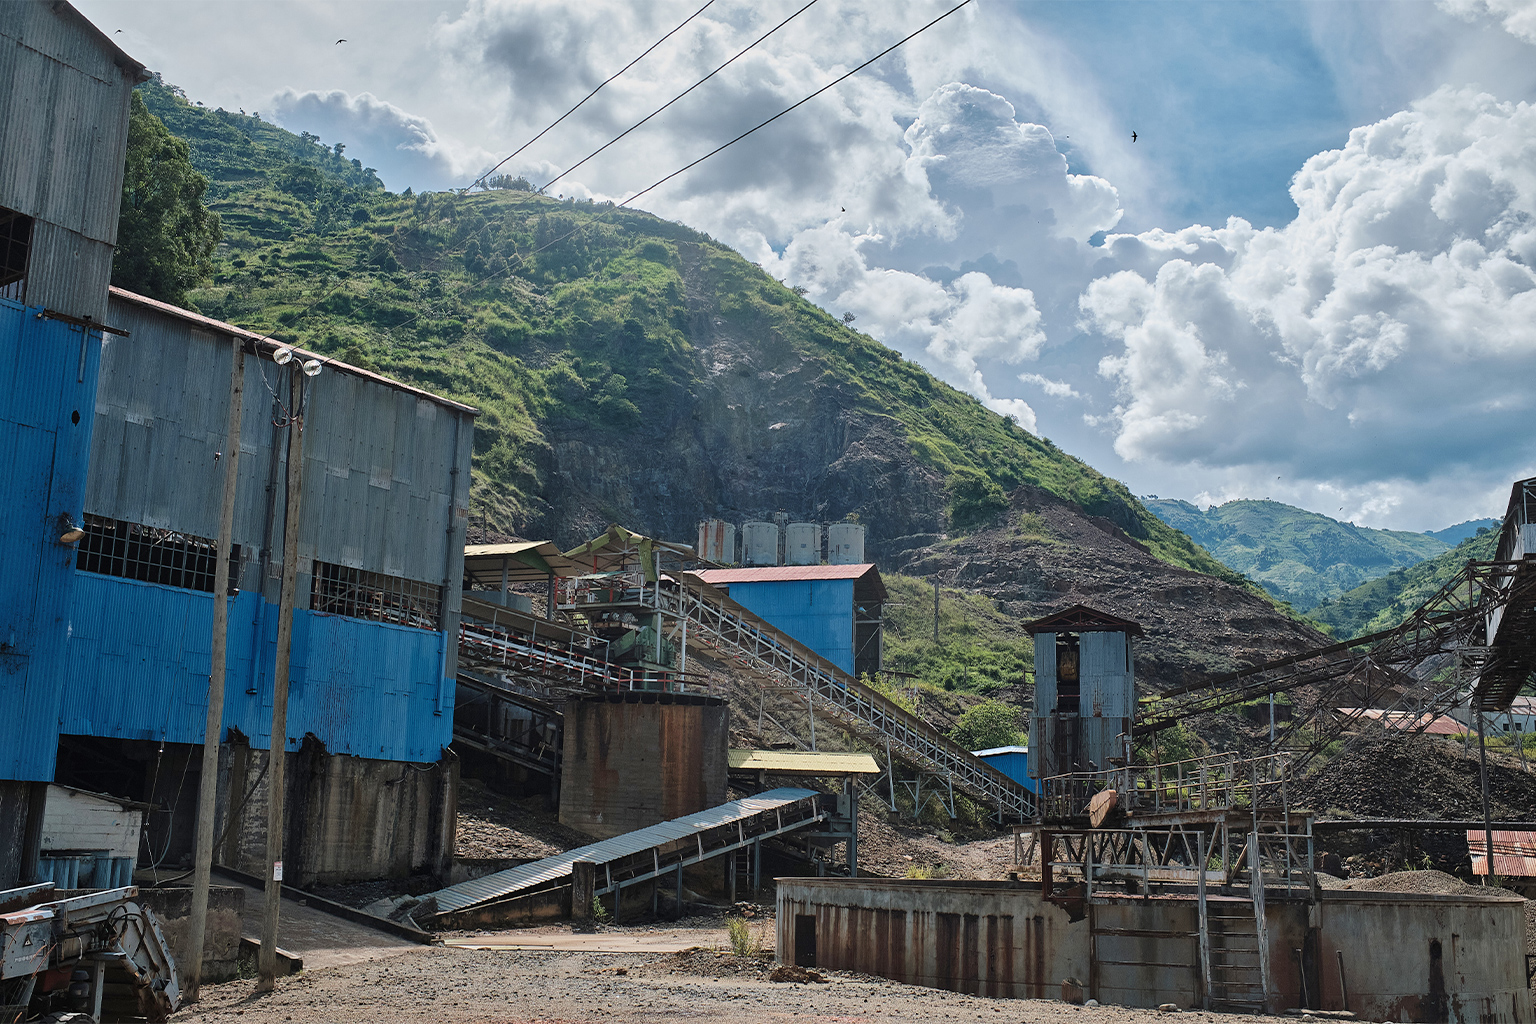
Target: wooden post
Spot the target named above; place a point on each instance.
(1482, 759)
(213, 731)
(266, 961)
(1205, 928)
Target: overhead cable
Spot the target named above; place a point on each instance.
(836, 81)
(588, 96)
(679, 96)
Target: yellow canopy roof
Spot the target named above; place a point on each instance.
(803, 762)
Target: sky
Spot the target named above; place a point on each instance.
(1311, 275)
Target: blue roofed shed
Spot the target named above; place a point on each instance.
(835, 610)
(1012, 762)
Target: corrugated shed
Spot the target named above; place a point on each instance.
(47, 372)
(64, 97)
(138, 666)
(818, 613)
(1012, 762)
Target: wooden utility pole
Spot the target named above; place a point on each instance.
(213, 733)
(266, 961)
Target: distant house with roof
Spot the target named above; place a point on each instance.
(835, 610)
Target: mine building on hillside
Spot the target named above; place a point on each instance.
(835, 610)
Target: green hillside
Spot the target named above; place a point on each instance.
(1383, 603)
(1299, 556)
(575, 327)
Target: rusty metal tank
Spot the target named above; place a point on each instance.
(636, 758)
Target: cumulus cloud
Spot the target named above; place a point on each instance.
(1517, 17)
(1389, 330)
(953, 329)
(404, 145)
(1054, 388)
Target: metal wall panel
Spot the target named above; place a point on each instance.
(47, 372)
(1108, 686)
(380, 488)
(64, 123)
(138, 662)
(818, 613)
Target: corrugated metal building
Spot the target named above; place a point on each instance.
(1085, 690)
(64, 96)
(386, 494)
(835, 610)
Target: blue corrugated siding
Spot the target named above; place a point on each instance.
(1015, 766)
(138, 659)
(818, 613)
(47, 373)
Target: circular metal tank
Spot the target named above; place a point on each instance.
(802, 544)
(760, 544)
(845, 543)
(717, 541)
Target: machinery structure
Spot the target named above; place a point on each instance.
(98, 953)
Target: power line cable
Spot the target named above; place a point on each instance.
(679, 96)
(523, 258)
(588, 96)
(836, 81)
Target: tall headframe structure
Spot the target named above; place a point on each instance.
(1085, 691)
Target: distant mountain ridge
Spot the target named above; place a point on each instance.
(1299, 556)
(1383, 603)
(1463, 531)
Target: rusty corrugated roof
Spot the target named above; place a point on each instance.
(1514, 853)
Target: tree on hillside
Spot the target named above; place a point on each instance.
(988, 724)
(165, 236)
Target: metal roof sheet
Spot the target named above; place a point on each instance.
(270, 344)
(803, 762)
(1000, 750)
(1409, 721)
(1079, 618)
(1514, 853)
(550, 869)
(778, 573)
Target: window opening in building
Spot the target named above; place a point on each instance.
(359, 594)
(115, 547)
(1068, 674)
(15, 243)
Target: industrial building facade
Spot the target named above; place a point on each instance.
(113, 421)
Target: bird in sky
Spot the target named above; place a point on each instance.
(115, 33)
(339, 42)
(1133, 136)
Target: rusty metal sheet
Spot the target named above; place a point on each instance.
(1514, 853)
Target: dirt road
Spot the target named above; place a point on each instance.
(450, 985)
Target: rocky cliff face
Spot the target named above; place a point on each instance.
(1045, 554)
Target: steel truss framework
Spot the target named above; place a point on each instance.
(1437, 659)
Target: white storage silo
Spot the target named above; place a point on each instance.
(845, 543)
(760, 544)
(802, 544)
(717, 541)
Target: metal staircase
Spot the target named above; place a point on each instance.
(718, 626)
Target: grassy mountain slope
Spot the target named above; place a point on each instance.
(627, 368)
(1383, 603)
(1299, 556)
(1462, 531)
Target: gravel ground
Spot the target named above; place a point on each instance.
(462, 986)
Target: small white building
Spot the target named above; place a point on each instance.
(1519, 720)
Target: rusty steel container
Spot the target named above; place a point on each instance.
(636, 758)
(717, 541)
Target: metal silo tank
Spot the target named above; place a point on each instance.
(717, 541)
(802, 544)
(845, 543)
(760, 543)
